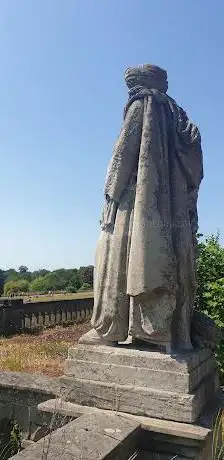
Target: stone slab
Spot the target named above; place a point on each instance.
(33, 382)
(181, 382)
(176, 429)
(144, 358)
(91, 437)
(181, 373)
(142, 382)
(20, 393)
(157, 437)
(140, 400)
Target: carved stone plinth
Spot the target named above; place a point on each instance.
(141, 382)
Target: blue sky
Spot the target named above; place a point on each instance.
(62, 97)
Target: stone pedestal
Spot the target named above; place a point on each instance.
(142, 382)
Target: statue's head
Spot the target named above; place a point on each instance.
(148, 76)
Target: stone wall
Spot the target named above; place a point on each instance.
(15, 316)
(20, 394)
(30, 401)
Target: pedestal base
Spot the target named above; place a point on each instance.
(141, 382)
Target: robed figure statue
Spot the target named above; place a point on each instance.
(144, 281)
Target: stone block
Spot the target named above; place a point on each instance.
(183, 382)
(141, 382)
(139, 400)
(158, 437)
(185, 431)
(91, 437)
(144, 358)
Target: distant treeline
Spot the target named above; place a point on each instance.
(22, 280)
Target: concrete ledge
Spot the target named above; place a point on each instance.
(183, 430)
(91, 437)
(20, 393)
(32, 382)
(159, 439)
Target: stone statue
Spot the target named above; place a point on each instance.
(145, 284)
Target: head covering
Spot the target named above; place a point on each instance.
(148, 76)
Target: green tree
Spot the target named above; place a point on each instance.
(43, 280)
(38, 273)
(2, 280)
(210, 291)
(71, 288)
(39, 284)
(23, 269)
(53, 281)
(85, 287)
(16, 287)
(24, 273)
(210, 269)
(74, 279)
(86, 275)
(11, 275)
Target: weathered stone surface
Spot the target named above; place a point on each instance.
(91, 437)
(159, 385)
(167, 444)
(33, 382)
(27, 443)
(145, 259)
(204, 331)
(157, 437)
(144, 369)
(20, 393)
(140, 400)
(206, 392)
(194, 433)
(129, 356)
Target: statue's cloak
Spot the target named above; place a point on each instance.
(150, 217)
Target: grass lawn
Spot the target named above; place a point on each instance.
(43, 352)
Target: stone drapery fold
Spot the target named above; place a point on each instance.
(144, 281)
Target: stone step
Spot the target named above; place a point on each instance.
(139, 400)
(168, 439)
(174, 439)
(179, 382)
(189, 434)
(92, 436)
(128, 356)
